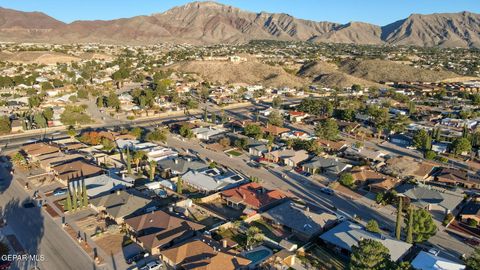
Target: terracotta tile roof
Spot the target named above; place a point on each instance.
(163, 227)
(253, 195)
(274, 129)
(204, 254)
(295, 113)
(76, 169)
(336, 145)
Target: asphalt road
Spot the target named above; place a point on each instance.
(308, 190)
(38, 233)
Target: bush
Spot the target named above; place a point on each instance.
(347, 180)
(472, 223)
(447, 219)
(430, 155)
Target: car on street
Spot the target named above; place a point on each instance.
(153, 265)
(327, 191)
(135, 257)
(59, 192)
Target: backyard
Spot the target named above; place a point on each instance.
(318, 257)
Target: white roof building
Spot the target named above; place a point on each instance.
(427, 261)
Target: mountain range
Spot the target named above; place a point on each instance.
(211, 22)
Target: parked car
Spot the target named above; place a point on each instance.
(135, 257)
(29, 204)
(327, 191)
(59, 192)
(153, 265)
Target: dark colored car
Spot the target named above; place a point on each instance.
(136, 257)
(327, 191)
(28, 204)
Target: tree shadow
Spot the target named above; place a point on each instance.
(6, 177)
(28, 226)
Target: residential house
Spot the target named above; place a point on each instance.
(274, 130)
(122, 204)
(206, 133)
(427, 261)
(407, 167)
(288, 157)
(345, 235)
(160, 153)
(158, 230)
(364, 153)
(75, 170)
(103, 184)
(471, 211)
(252, 196)
(179, 166)
(375, 181)
(203, 253)
(299, 219)
(401, 139)
(35, 150)
(296, 135)
(324, 165)
(331, 146)
(212, 179)
(455, 177)
(429, 198)
(295, 116)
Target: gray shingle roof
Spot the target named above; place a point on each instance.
(347, 234)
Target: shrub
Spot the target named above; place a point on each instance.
(447, 219)
(472, 223)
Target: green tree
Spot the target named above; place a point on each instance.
(461, 145)
(186, 132)
(158, 135)
(129, 161)
(137, 132)
(347, 180)
(423, 226)
(275, 118)
(422, 140)
(473, 261)
(68, 201)
(74, 200)
(254, 236)
(252, 130)
(328, 129)
(84, 195)
(48, 113)
(113, 101)
(277, 102)
(410, 225)
(71, 132)
(153, 166)
(369, 255)
(180, 186)
(398, 225)
(5, 125)
(137, 158)
(372, 226)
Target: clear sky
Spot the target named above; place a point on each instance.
(379, 12)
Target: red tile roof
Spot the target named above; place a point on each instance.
(253, 195)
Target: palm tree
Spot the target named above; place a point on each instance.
(153, 166)
(137, 158)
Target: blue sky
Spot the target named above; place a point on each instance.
(378, 12)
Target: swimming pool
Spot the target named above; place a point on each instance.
(258, 255)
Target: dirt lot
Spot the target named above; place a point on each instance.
(110, 243)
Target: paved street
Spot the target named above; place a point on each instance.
(309, 191)
(38, 232)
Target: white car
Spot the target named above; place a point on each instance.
(153, 265)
